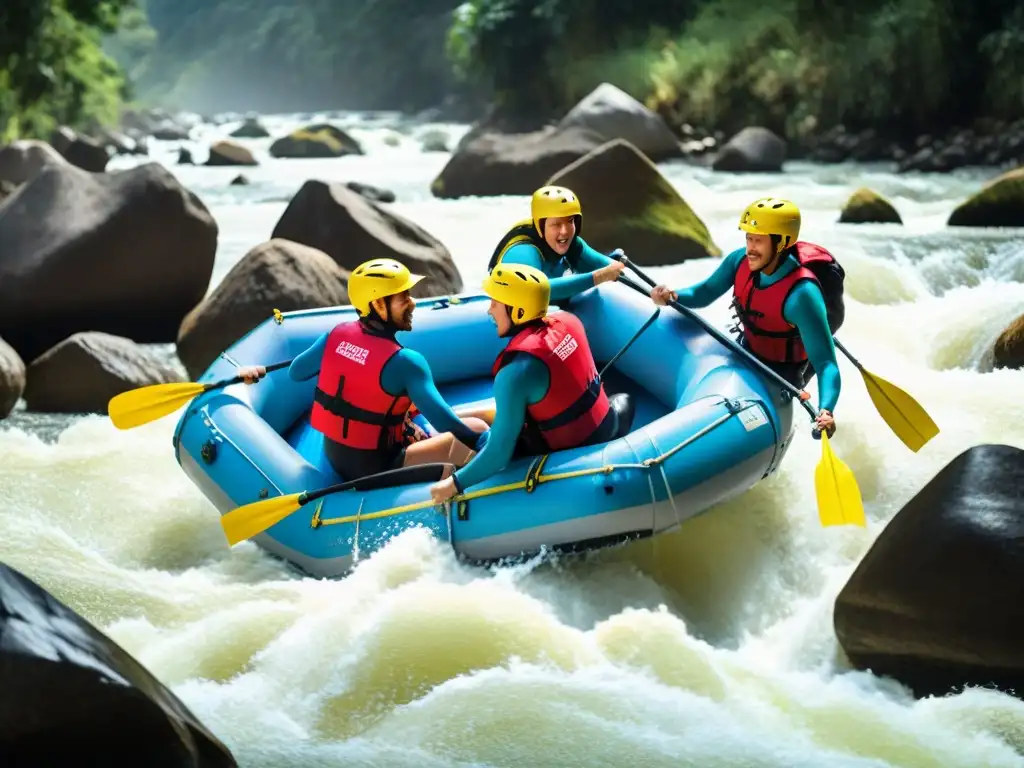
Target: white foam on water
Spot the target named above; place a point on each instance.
(416, 660)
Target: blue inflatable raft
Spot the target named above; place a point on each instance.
(706, 428)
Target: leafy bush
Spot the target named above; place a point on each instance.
(902, 67)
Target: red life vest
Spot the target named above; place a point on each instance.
(575, 403)
(350, 405)
(765, 330)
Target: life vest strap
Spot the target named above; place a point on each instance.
(580, 406)
(338, 406)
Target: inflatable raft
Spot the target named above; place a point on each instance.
(705, 428)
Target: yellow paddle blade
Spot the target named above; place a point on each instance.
(839, 501)
(245, 522)
(145, 404)
(904, 415)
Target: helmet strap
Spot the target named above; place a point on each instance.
(382, 324)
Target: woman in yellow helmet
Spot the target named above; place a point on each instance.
(545, 379)
(788, 298)
(550, 241)
(367, 383)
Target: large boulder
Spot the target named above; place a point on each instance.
(511, 164)
(612, 113)
(23, 160)
(72, 696)
(230, 153)
(938, 601)
(278, 274)
(1009, 347)
(351, 229)
(628, 204)
(321, 140)
(1000, 203)
(12, 379)
(84, 371)
(754, 149)
(866, 206)
(128, 253)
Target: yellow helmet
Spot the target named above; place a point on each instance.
(550, 202)
(772, 216)
(376, 279)
(525, 289)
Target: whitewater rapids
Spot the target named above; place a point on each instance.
(711, 647)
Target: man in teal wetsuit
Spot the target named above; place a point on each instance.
(779, 300)
(548, 395)
(550, 241)
(367, 384)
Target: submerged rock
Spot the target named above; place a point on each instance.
(866, 206)
(1000, 203)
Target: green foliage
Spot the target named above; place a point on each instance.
(898, 66)
(536, 57)
(52, 69)
(1002, 53)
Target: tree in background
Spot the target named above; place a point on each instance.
(52, 68)
(901, 67)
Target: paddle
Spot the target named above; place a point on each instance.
(839, 500)
(247, 521)
(904, 415)
(145, 404)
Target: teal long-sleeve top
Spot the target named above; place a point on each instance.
(524, 381)
(407, 371)
(804, 308)
(561, 287)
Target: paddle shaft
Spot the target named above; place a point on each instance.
(307, 496)
(851, 358)
(722, 338)
(239, 379)
(629, 343)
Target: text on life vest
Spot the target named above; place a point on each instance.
(352, 352)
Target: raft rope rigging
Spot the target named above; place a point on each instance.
(535, 477)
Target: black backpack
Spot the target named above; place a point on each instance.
(830, 276)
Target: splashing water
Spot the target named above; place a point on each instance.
(711, 646)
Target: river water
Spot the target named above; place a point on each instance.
(712, 646)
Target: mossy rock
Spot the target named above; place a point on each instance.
(866, 206)
(628, 204)
(316, 141)
(1009, 348)
(1000, 203)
